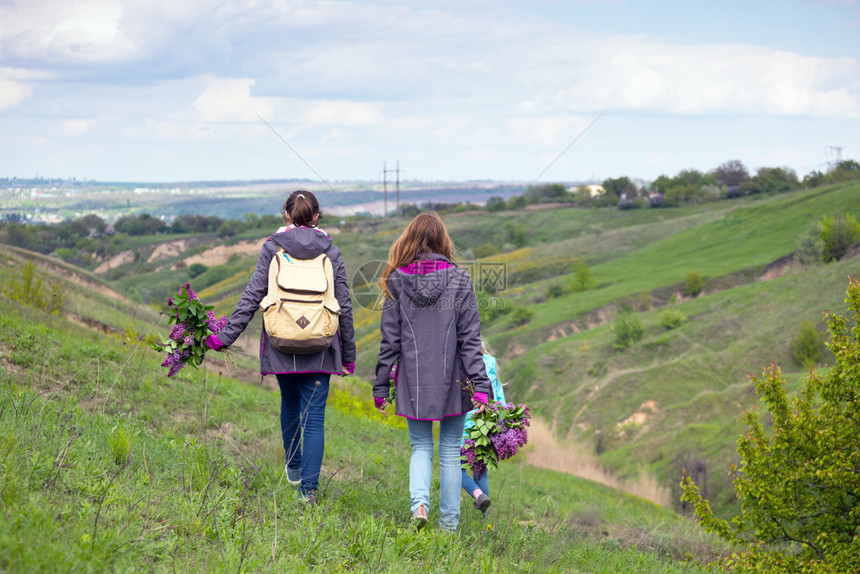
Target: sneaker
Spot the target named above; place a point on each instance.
(482, 503)
(294, 475)
(419, 517)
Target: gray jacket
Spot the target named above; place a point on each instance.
(301, 243)
(431, 328)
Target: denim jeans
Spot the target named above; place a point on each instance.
(420, 467)
(303, 398)
(470, 484)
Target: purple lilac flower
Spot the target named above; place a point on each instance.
(210, 315)
(189, 340)
(178, 332)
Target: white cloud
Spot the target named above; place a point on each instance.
(61, 31)
(551, 131)
(230, 100)
(77, 127)
(15, 85)
(635, 73)
(343, 113)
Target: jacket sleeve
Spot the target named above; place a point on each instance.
(389, 347)
(248, 304)
(469, 336)
(341, 292)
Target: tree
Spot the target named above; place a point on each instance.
(799, 485)
(620, 187)
(495, 204)
(731, 173)
(807, 347)
(627, 328)
(776, 179)
(583, 278)
(839, 233)
(693, 284)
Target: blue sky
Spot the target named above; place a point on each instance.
(151, 90)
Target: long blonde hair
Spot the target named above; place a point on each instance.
(424, 235)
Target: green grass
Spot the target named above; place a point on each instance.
(107, 465)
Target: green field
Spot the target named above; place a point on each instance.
(108, 465)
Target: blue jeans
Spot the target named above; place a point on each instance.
(470, 484)
(420, 467)
(303, 398)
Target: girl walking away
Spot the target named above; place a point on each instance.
(303, 378)
(479, 488)
(431, 329)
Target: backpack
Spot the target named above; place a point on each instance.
(300, 311)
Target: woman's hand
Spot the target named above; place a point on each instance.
(478, 405)
(380, 403)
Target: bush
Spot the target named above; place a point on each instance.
(808, 346)
(521, 315)
(484, 250)
(809, 247)
(196, 269)
(671, 318)
(583, 279)
(489, 308)
(798, 486)
(693, 284)
(627, 328)
(839, 233)
(556, 289)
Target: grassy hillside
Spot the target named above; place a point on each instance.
(670, 401)
(107, 465)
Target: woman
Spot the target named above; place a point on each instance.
(431, 329)
(303, 379)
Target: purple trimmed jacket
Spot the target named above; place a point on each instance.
(301, 243)
(431, 328)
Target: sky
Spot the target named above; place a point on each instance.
(509, 90)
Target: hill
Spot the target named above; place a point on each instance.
(671, 400)
(109, 465)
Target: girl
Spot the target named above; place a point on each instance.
(479, 489)
(430, 327)
(303, 379)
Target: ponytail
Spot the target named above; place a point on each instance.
(301, 207)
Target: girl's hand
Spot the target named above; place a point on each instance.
(380, 403)
(479, 406)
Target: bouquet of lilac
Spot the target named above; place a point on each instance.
(497, 434)
(192, 322)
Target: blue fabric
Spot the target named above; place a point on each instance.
(303, 398)
(421, 469)
(470, 484)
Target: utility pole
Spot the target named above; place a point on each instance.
(838, 150)
(385, 171)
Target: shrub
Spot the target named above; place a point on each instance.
(491, 307)
(839, 233)
(484, 250)
(693, 284)
(583, 279)
(556, 289)
(809, 247)
(671, 318)
(28, 288)
(808, 346)
(521, 315)
(798, 486)
(627, 328)
(196, 269)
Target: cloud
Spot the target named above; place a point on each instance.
(644, 74)
(343, 114)
(77, 127)
(60, 31)
(230, 100)
(15, 85)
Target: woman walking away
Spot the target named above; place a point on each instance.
(431, 329)
(303, 373)
(479, 488)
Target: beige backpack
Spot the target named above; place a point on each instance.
(300, 311)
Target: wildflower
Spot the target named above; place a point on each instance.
(190, 318)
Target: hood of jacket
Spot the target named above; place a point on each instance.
(426, 279)
(303, 242)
